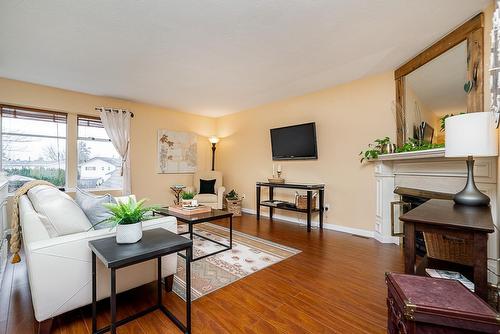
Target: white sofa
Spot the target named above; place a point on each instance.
(60, 268)
(215, 201)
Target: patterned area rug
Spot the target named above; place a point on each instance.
(249, 254)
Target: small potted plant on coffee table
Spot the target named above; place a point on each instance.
(128, 218)
(233, 201)
(187, 198)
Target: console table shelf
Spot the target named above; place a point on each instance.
(290, 206)
(286, 206)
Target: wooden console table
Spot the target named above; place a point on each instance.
(445, 217)
(291, 206)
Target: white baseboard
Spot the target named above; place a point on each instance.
(386, 239)
(333, 227)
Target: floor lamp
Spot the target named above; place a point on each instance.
(214, 140)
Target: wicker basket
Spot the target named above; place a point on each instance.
(301, 201)
(448, 248)
(234, 206)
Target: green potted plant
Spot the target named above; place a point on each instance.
(233, 202)
(128, 218)
(379, 146)
(187, 198)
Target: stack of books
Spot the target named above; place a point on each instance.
(450, 275)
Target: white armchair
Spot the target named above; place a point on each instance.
(213, 200)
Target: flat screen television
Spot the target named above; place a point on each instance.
(296, 142)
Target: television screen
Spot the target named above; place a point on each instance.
(296, 142)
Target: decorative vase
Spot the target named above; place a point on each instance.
(128, 233)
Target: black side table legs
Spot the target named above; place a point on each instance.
(159, 243)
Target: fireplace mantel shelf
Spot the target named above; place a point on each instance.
(425, 154)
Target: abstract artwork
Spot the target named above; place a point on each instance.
(177, 152)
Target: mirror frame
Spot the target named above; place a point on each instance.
(471, 31)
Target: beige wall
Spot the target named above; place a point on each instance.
(148, 119)
(347, 117)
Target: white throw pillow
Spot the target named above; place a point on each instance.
(93, 207)
(125, 199)
(60, 210)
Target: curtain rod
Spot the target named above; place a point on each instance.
(101, 108)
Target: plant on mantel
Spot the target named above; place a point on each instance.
(379, 148)
(375, 149)
(413, 145)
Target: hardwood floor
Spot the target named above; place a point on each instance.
(336, 285)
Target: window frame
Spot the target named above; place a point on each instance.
(36, 110)
(88, 118)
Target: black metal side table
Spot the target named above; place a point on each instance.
(154, 244)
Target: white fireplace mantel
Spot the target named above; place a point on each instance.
(430, 170)
(424, 154)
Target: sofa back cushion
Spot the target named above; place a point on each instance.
(93, 207)
(59, 210)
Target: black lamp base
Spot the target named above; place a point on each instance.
(470, 195)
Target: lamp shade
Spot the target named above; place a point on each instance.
(471, 134)
(213, 139)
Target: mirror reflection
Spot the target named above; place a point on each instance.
(433, 91)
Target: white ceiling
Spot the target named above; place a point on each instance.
(439, 84)
(215, 57)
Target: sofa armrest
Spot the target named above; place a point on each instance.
(220, 197)
(169, 223)
(60, 270)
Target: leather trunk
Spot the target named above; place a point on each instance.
(434, 305)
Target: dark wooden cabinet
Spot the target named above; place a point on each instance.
(417, 304)
(469, 223)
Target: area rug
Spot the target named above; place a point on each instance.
(249, 255)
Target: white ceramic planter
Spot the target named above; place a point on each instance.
(128, 233)
(189, 202)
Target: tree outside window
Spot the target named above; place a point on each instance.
(33, 146)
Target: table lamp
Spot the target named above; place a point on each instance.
(468, 135)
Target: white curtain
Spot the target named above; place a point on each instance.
(117, 125)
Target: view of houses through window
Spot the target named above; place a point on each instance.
(99, 164)
(33, 146)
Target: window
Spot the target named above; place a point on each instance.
(99, 164)
(33, 146)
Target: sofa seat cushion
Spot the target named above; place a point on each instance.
(206, 198)
(58, 210)
(93, 207)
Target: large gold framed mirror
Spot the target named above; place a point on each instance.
(444, 79)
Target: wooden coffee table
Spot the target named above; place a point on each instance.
(200, 218)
